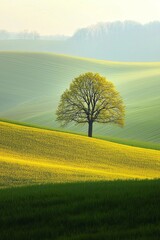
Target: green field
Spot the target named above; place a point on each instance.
(38, 200)
(31, 85)
(121, 210)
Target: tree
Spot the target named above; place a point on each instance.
(91, 98)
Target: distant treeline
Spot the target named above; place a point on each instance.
(28, 35)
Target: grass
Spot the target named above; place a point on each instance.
(32, 159)
(34, 156)
(141, 144)
(81, 204)
(134, 143)
(31, 85)
(121, 210)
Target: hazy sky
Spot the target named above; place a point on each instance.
(66, 16)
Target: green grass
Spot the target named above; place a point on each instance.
(101, 210)
(31, 85)
(80, 210)
(134, 143)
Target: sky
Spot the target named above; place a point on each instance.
(64, 17)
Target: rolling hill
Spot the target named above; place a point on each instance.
(31, 85)
(33, 156)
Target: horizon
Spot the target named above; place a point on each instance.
(89, 26)
(52, 17)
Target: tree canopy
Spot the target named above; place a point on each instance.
(91, 98)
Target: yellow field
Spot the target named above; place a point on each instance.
(29, 155)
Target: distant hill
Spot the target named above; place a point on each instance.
(31, 85)
(117, 41)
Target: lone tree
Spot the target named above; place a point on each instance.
(91, 98)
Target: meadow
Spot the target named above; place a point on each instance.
(62, 186)
(130, 142)
(121, 210)
(32, 83)
(36, 156)
(55, 184)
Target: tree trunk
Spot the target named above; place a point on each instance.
(90, 128)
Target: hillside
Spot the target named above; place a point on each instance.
(31, 85)
(32, 156)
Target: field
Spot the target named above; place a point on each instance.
(31, 85)
(130, 142)
(35, 156)
(58, 185)
(121, 210)
(38, 200)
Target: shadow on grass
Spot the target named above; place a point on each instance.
(91, 210)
